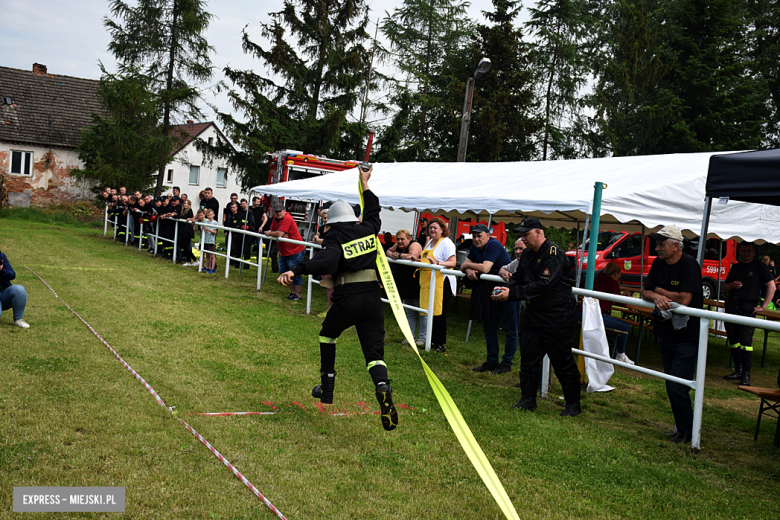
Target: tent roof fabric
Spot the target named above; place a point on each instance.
(748, 177)
(643, 193)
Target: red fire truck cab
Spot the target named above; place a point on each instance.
(635, 256)
(290, 165)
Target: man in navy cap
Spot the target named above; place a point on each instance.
(543, 280)
(486, 256)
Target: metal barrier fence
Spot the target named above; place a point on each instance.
(705, 316)
(157, 238)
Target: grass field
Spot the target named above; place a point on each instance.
(71, 415)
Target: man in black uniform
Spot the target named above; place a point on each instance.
(236, 220)
(259, 219)
(349, 254)
(542, 278)
(744, 283)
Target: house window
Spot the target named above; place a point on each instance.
(221, 177)
(169, 179)
(194, 174)
(21, 163)
(211, 141)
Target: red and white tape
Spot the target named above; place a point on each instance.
(161, 403)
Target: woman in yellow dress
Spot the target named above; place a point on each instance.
(439, 250)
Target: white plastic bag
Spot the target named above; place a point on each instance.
(594, 340)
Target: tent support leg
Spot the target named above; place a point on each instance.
(705, 224)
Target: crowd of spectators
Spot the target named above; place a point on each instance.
(166, 225)
(674, 279)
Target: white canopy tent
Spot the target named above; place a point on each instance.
(642, 193)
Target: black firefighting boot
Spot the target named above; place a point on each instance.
(747, 364)
(736, 354)
(324, 391)
(528, 388)
(571, 393)
(377, 369)
(389, 415)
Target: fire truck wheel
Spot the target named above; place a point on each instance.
(707, 289)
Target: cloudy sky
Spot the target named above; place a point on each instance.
(69, 38)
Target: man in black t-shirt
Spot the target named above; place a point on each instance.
(745, 282)
(675, 277)
(209, 202)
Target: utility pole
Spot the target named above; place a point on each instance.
(482, 68)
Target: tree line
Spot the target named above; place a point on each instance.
(580, 78)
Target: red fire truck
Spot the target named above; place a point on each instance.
(290, 165)
(635, 256)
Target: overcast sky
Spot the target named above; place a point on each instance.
(69, 38)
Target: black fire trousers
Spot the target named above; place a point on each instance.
(740, 334)
(557, 344)
(363, 310)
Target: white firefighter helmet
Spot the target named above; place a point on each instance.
(340, 211)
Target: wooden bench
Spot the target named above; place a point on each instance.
(770, 406)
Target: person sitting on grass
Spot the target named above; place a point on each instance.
(12, 296)
(209, 242)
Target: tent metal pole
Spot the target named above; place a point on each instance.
(545, 376)
(720, 258)
(701, 367)
(582, 250)
(705, 223)
(309, 285)
(642, 258)
(590, 271)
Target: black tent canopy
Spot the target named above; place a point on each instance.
(746, 176)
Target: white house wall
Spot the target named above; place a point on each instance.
(189, 155)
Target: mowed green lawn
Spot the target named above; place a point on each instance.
(71, 415)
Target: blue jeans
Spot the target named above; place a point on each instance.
(423, 327)
(614, 323)
(679, 359)
(14, 297)
(131, 227)
(511, 313)
(288, 263)
(413, 317)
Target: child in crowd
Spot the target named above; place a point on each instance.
(209, 240)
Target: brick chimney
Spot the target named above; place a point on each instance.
(190, 122)
(39, 69)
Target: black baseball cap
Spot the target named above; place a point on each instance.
(480, 228)
(278, 207)
(528, 224)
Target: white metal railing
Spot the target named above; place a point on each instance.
(705, 316)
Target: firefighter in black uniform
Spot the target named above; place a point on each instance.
(237, 219)
(744, 283)
(542, 279)
(348, 253)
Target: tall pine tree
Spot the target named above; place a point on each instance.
(559, 28)
(164, 39)
(765, 40)
(504, 114)
(315, 67)
(427, 41)
(125, 144)
(632, 103)
(724, 103)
